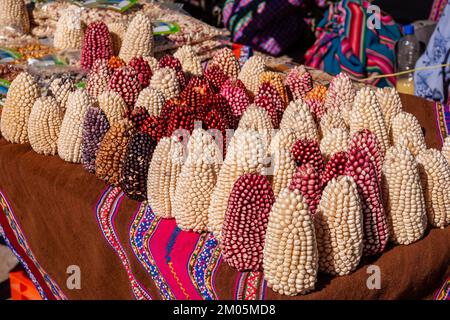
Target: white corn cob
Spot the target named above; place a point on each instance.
(138, 40)
(339, 227)
(113, 105)
(403, 196)
(60, 89)
(14, 16)
(334, 141)
(340, 95)
(413, 141)
(331, 120)
(251, 71)
(446, 149)
(71, 135)
(152, 100)
(298, 118)
(196, 182)
(190, 62)
(165, 80)
(435, 176)
(163, 173)
(227, 62)
(245, 154)
(366, 114)
(390, 103)
(117, 31)
(44, 124)
(98, 77)
(290, 252)
(69, 31)
(282, 161)
(405, 122)
(257, 119)
(20, 98)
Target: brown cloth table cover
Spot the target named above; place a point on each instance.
(54, 204)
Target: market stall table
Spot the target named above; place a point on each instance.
(57, 218)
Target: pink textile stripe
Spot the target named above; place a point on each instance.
(356, 30)
(171, 249)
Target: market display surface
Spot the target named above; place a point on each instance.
(164, 179)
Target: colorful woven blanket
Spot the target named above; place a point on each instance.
(346, 43)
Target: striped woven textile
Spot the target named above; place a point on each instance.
(437, 9)
(346, 43)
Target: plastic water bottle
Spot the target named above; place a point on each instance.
(408, 52)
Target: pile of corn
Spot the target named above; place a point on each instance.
(291, 177)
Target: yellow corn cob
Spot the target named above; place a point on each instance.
(366, 114)
(298, 118)
(138, 40)
(334, 141)
(20, 98)
(390, 103)
(196, 182)
(163, 173)
(245, 154)
(403, 196)
(435, 176)
(339, 227)
(290, 252)
(71, 135)
(318, 92)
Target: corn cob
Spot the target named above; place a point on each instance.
(405, 122)
(169, 61)
(71, 135)
(257, 119)
(95, 126)
(366, 114)
(20, 98)
(435, 175)
(216, 76)
(368, 142)
(112, 105)
(237, 97)
(275, 80)
(413, 141)
(60, 89)
(307, 180)
(446, 149)
(362, 169)
(318, 92)
(403, 196)
(152, 62)
(138, 39)
(197, 92)
(126, 83)
(297, 117)
(44, 125)
(282, 160)
(308, 151)
(165, 80)
(190, 62)
(69, 31)
(290, 252)
(97, 44)
(152, 100)
(163, 174)
(269, 99)
(390, 103)
(115, 63)
(196, 182)
(299, 81)
(316, 108)
(245, 224)
(335, 141)
(143, 70)
(335, 167)
(117, 31)
(341, 95)
(246, 154)
(339, 227)
(251, 72)
(98, 77)
(14, 14)
(332, 119)
(227, 63)
(109, 161)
